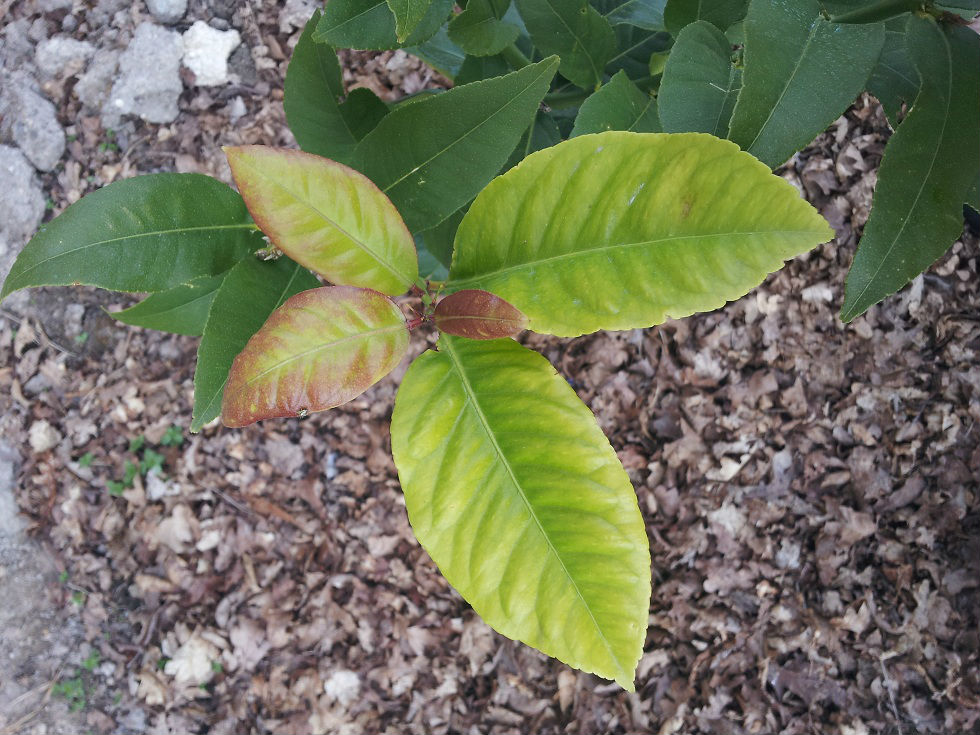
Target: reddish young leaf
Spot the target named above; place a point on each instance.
(478, 315)
(320, 349)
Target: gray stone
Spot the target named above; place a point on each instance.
(21, 205)
(15, 46)
(50, 6)
(11, 522)
(92, 87)
(295, 14)
(167, 11)
(62, 56)
(38, 31)
(149, 78)
(241, 66)
(29, 120)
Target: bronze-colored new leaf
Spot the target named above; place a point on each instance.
(478, 314)
(321, 348)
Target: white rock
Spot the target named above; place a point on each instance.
(62, 55)
(343, 686)
(43, 436)
(92, 87)
(206, 52)
(149, 78)
(167, 11)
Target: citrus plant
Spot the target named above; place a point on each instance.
(540, 193)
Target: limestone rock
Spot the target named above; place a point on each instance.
(167, 11)
(28, 119)
(206, 52)
(62, 56)
(149, 78)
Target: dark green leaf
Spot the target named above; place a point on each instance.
(408, 14)
(719, 13)
(181, 310)
(252, 290)
(894, 80)
(370, 24)
(478, 68)
(543, 133)
(576, 32)
(635, 46)
(647, 14)
(700, 82)
(479, 30)
(618, 105)
(801, 73)
(440, 53)
(928, 169)
(439, 239)
(434, 155)
(320, 123)
(148, 233)
(872, 12)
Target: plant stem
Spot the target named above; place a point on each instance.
(515, 57)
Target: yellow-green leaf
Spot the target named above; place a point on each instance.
(621, 230)
(327, 217)
(512, 488)
(321, 348)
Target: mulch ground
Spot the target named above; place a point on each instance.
(810, 490)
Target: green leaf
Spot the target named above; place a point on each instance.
(646, 14)
(252, 290)
(543, 133)
(801, 73)
(720, 13)
(700, 82)
(894, 80)
(370, 24)
(635, 46)
(148, 233)
(573, 30)
(320, 123)
(434, 155)
(478, 314)
(440, 53)
(181, 310)
(618, 105)
(478, 68)
(479, 29)
(516, 494)
(927, 171)
(320, 349)
(439, 239)
(408, 14)
(326, 216)
(623, 230)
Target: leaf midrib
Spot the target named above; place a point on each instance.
(605, 248)
(151, 233)
(939, 144)
(471, 399)
(596, 72)
(463, 137)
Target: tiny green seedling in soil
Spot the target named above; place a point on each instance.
(596, 166)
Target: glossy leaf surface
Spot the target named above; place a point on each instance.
(623, 230)
(928, 168)
(320, 349)
(313, 89)
(180, 310)
(894, 80)
(478, 314)
(700, 82)
(370, 24)
(516, 494)
(646, 14)
(440, 53)
(434, 155)
(408, 14)
(148, 233)
(480, 29)
(618, 105)
(573, 30)
(252, 290)
(327, 217)
(801, 73)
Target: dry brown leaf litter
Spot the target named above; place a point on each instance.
(810, 489)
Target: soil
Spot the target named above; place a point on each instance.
(811, 491)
